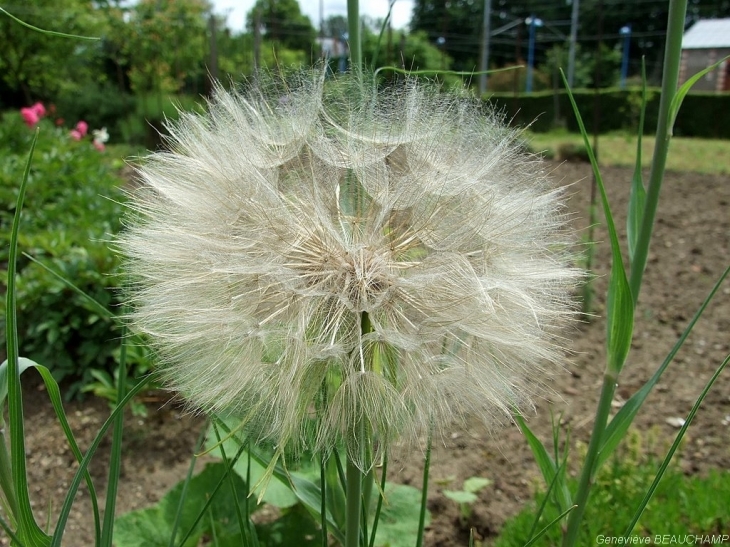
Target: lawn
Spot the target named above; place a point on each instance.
(708, 156)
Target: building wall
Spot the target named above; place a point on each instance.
(694, 60)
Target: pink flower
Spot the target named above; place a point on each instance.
(82, 127)
(76, 134)
(39, 109)
(30, 116)
(99, 146)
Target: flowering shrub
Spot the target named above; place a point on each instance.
(32, 115)
(67, 232)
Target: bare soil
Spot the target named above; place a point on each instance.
(690, 250)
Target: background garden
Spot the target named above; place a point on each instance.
(106, 104)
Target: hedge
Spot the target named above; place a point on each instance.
(702, 114)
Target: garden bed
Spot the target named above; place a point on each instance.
(690, 250)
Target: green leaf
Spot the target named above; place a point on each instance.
(28, 530)
(48, 32)
(398, 523)
(684, 89)
(637, 197)
(459, 496)
(616, 429)
(475, 484)
(294, 527)
(548, 467)
(620, 303)
(54, 394)
(675, 445)
(152, 527)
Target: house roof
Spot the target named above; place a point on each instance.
(707, 33)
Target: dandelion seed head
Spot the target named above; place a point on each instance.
(315, 257)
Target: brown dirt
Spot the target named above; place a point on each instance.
(690, 250)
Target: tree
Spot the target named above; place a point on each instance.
(166, 44)
(38, 64)
(283, 22)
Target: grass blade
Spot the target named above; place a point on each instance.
(115, 462)
(188, 478)
(684, 89)
(548, 467)
(95, 304)
(637, 197)
(84, 464)
(622, 420)
(674, 447)
(620, 304)
(424, 491)
(550, 525)
(48, 32)
(54, 394)
(28, 529)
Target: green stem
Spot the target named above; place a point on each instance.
(672, 57)
(586, 478)
(354, 500)
(424, 490)
(353, 28)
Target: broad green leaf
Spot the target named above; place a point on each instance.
(460, 496)
(475, 484)
(276, 493)
(398, 521)
(294, 527)
(152, 527)
(684, 89)
(637, 197)
(620, 303)
(307, 491)
(619, 425)
(547, 466)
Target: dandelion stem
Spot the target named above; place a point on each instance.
(587, 475)
(353, 28)
(354, 499)
(424, 489)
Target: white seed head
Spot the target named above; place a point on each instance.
(315, 258)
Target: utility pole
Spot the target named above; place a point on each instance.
(484, 61)
(533, 22)
(213, 50)
(257, 41)
(573, 39)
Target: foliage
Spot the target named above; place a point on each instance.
(467, 496)
(705, 115)
(297, 522)
(100, 105)
(680, 504)
(29, 60)
(165, 43)
(283, 22)
(74, 202)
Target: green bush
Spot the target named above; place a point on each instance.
(704, 115)
(72, 207)
(99, 106)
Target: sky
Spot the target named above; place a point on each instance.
(236, 10)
